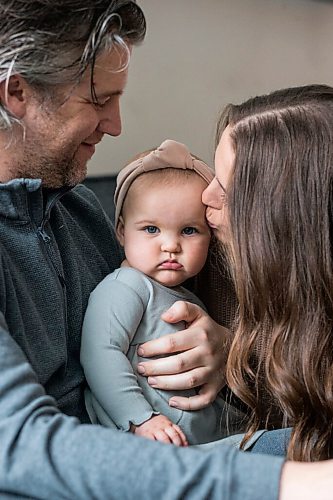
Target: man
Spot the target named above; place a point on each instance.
(63, 68)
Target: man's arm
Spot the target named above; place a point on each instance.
(45, 454)
(307, 481)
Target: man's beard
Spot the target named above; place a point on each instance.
(54, 171)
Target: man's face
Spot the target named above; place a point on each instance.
(60, 138)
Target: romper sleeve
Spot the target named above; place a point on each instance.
(113, 315)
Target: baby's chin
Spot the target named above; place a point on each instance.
(169, 279)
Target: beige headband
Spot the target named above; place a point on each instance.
(169, 154)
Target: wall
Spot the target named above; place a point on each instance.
(201, 54)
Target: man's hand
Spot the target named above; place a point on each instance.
(199, 360)
(160, 428)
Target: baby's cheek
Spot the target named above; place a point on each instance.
(141, 258)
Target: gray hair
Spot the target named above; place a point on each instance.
(52, 42)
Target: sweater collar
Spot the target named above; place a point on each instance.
(24, 200)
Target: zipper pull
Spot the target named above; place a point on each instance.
(42, 234)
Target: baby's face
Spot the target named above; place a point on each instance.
(164, 233)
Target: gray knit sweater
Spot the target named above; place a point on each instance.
(55, 247)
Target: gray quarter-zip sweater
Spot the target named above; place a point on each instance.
(55, 247)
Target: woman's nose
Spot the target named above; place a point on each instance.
(211, 196)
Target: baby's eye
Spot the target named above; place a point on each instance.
(151, 229)
(189, 230)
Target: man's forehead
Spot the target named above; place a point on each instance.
(109, 73)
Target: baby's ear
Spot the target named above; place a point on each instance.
(120, 230)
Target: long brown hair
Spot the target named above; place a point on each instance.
(280, 212)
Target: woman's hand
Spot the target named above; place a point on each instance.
(199, 359)
(160, 428)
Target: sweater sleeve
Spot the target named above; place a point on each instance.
(45, 454)
(112, 317)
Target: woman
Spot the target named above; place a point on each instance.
(270, 204)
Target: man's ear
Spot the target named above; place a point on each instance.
(13, 95)
(120, 230)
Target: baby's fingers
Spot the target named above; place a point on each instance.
(176, 435)
(162, 436)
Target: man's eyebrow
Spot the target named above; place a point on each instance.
(109, 94)
(98, 94)
(219, 183)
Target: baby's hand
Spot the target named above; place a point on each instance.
(160, 428)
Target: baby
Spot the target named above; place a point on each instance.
(160, 222)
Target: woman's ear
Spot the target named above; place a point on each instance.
(120, 230)
(13, 95)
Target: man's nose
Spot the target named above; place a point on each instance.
(110, 120)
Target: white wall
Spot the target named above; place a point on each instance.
(201, 54)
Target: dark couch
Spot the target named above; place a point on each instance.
(104, 188)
